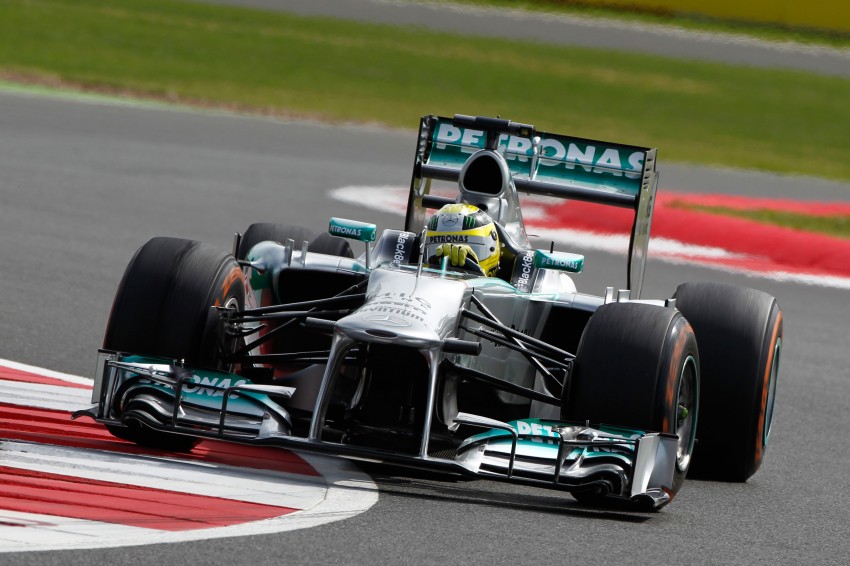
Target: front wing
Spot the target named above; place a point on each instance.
(609, 462)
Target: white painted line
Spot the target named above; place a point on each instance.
(385, 198)
(48, 372)
(44, 396)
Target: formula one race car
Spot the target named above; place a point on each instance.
(400, 356)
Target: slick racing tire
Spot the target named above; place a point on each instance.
(164, 303)
(739, 332)
(637, 366)
(265, 231)
(164, 308)
(324, 243)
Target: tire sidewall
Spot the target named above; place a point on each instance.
(770, 356)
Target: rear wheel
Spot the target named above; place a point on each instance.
(264, 231)
(297, 285)
(637, 366)
(739, 331)
(324, 243)
(164, 307)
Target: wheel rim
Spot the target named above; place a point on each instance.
(771, 391)
(686, 413)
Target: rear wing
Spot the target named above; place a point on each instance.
(538, 163)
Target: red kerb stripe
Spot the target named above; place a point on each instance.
(28, 377)
(49, 426)
(29, 491)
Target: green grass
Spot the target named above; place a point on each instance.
(766, 32)
(838, 225)
(343, 71)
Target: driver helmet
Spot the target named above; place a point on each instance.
(461, 223)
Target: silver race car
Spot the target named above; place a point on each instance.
(488, 363)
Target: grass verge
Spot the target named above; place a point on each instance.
(341, 71)
(766, 32)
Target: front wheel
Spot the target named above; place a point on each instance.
(637, 367)
(324, 243)
(165, 307)
(296, 285)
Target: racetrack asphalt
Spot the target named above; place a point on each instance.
(84, 184)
